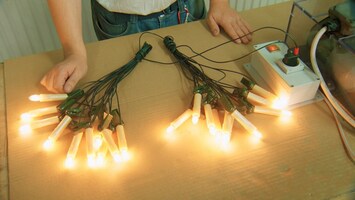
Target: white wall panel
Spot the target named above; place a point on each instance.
(26, 26)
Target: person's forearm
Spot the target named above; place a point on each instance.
(67, 18)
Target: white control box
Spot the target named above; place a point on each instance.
(295, 84)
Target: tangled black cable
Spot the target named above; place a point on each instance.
(98, 97)
(213, 92)
(200, 54)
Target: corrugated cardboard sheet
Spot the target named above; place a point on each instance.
(303, 159)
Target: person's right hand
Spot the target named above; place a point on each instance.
(64, 76)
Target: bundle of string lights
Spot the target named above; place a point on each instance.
(210, 96)
(251, 98)
(93, 110)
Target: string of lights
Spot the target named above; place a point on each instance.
(94, 110)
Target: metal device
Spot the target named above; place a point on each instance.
(336, 52)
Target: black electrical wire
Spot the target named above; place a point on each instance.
(217, 46)
(212, 91)
(99, 96)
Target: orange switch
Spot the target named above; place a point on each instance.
(272, 47)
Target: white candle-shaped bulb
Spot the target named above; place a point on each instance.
(122, 142)
(216, 120)
(112, 147)
(27, 128)
(180, 120)
(196, 110)
(258, 99)
(246, 124)
(57, 132)
(90, 151)
(227, 127)
(48, 97)
(121, 137)
(73, 149)
(209, 119)
(264, 93)
(44, 122)
(97, 141)
(38, 112)
(271, 111)
(101, 155)
(227, 123)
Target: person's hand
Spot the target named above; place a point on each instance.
(63, 77)
(221, 15)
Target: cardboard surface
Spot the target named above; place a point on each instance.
(302, 160)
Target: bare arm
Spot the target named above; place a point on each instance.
(63, 77)
(221, 15)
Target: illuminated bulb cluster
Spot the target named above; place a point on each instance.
(264, 105)
(277, 102)
(34, 119)
(98, 143)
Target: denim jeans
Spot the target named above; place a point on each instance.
(111, 24)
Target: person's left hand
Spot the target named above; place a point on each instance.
(221, 15)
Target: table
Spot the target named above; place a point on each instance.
(301, 160)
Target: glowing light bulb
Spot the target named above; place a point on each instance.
(90, 150)
(38, 112)
(196, 110)
(280, 102)
(91, 161)
(245, 123)
(69, 162)
(256, 134)
(26, 117)
(216, 120)
(25, 130)
(125, 155)
(286, 115)
(57, 132)
(44, 122)
(271, 111)
(195, 119)
(101, 155)
(224, 139)
(48, 144)
(112, 147)
(121, 137)
(48, 97)
(73, 149)
(209, 119)
(227, 123)
(117, 157)
(97, 141)
(34, 97)
(258, 99)
(264, 93)
(177, 122)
